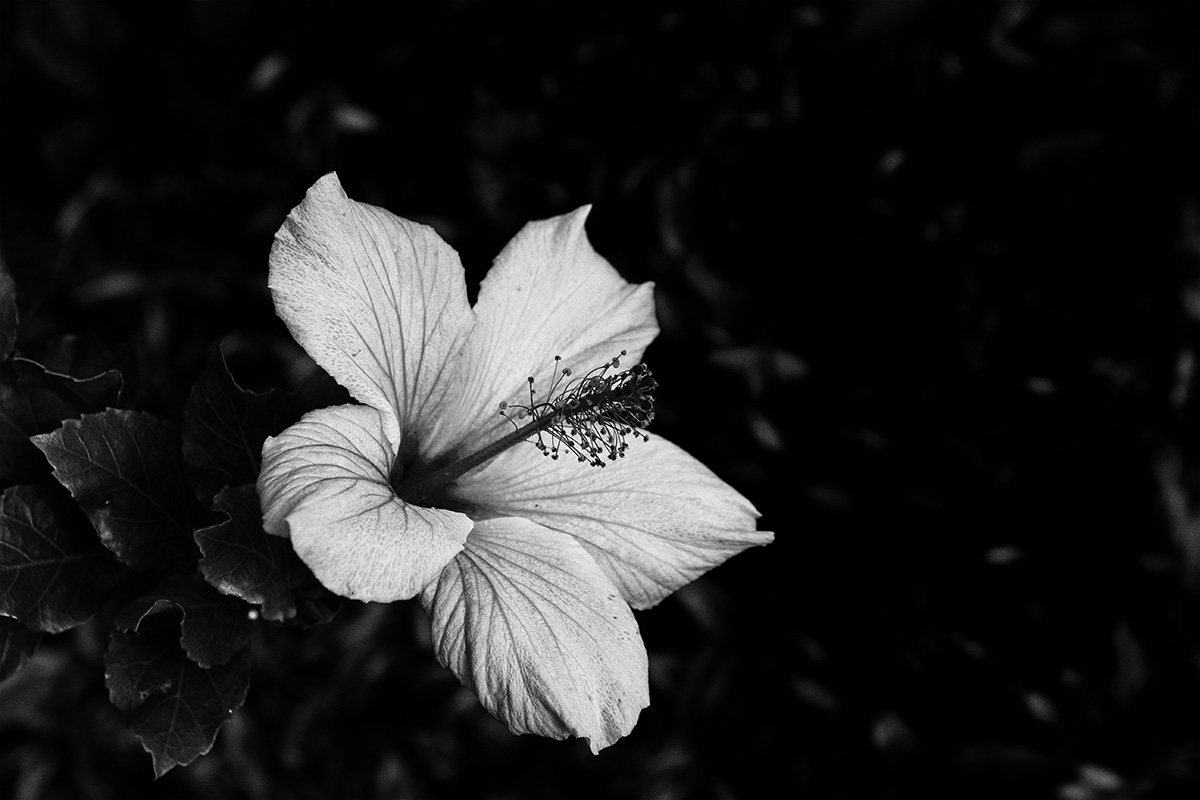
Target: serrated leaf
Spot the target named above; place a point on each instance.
(224, 427)
(8, 312)
(125, 470)
(172, 705)
(74, 355)
(54, 573)
(55, 396)
(242, 560)
(16, 645)
(20, 460)
(35, 400)
(213, 627)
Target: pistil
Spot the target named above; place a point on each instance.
(590, 418)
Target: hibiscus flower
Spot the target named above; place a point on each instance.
(527, 563)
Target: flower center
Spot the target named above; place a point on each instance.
(589, 417)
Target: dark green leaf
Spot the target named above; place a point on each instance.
(213, 628)
(224, 427)
(54, 573)
(243, 560)
(8, 312)
(16, 645)
(74, 355)
(20, 460)
(125, 471)
(35, 400)
(172, 705)
(54, 396)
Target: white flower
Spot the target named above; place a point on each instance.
(527, 565)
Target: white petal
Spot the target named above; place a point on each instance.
(548, 293)
(324, 483)
(528, 622)
(654, 520)
(378, 301)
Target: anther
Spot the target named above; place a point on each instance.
(589, 417)
(592, 416)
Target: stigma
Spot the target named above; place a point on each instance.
(590, 417)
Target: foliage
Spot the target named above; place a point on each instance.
(178, 660)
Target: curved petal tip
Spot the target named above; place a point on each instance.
(525, 618)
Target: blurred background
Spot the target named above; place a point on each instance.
(929, 287)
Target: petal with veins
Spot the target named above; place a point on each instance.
(525, 619)
(324, 483)
(548, 293)
(654, 520)
(378, 301)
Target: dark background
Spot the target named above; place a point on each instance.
(929, 290)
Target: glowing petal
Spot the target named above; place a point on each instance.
(654, 521)
(324, 483)
(548, 293)
(378, 301)
(526, 620)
